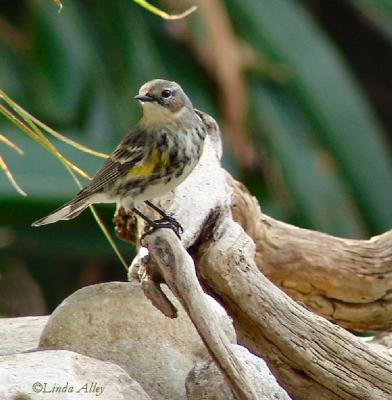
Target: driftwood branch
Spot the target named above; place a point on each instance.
(346, 281)
(178, 271)
(310, 357)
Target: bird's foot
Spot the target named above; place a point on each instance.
(175, 225)
(166, 222)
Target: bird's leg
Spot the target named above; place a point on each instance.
(165, 217)
(158, 224)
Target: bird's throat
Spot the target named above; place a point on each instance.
(155, 115)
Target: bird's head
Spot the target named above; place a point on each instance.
(163, 101)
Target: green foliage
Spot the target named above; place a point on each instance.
(78, 71)
(304, 166)
(329, 96)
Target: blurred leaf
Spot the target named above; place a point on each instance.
(131, 55)
(62, 63)
(143, 49)
(13, 72)
(329, 95)
(379, 12)
(317, 190)
(101, 125)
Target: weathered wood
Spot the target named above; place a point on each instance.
(346, 281)
(178, 271)
(310, 356)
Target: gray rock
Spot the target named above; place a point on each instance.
(115, 322)
(64, 375)
(206, 382)
(18, 335)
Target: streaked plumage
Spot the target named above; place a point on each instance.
(153, 159)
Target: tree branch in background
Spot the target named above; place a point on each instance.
(223, 60)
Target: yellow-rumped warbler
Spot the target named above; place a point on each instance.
(153, 159)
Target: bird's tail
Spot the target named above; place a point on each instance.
(66, 212)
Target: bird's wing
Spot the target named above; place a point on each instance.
(130, 153)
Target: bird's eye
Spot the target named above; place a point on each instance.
(166, 93)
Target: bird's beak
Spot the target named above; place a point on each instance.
(144, 98)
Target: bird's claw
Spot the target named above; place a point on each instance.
(175, 225)
(167, 222)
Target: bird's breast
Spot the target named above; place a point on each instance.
(171, 160)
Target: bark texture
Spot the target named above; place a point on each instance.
(346, 281)
(311, 357)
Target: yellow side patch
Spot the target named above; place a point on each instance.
(155, 160)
